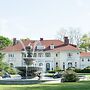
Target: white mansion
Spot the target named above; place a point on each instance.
(48, 54)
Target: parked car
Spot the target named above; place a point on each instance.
(16, 76)
(57, 75)
(6, 76)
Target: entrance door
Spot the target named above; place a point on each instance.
(47, 66)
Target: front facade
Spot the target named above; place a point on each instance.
(84, 59)
(47, 54)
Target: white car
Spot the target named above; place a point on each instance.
(17, 76)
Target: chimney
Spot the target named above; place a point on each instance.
(41, 39)
(14, 41)
(66, 41)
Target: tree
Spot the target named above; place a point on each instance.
(4, 67)
(62, 33)
(4, 42)
(73, 34)
(85, 42)
(69, 76)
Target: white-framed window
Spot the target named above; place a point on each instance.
(56, 64)
(40, 54)
(63, 65)
(40, 64)
(69, 55)
(52, 46)
(75, 64)
(88, 60)
(56, 54)
(23, 55)
(35, 54)
(10, 55)
(82, 60)
(48, 54)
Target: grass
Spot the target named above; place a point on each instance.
(85, 85)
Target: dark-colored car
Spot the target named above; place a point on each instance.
(6, 76)
(57, 75)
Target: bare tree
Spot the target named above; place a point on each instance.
(73, 34)
(62, 33)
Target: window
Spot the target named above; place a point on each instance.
(75, 64)
(47, 66)
(56, 55)
(88, 60)
(77, 53)
(52, 46)
(40, 54)
(23, 55)
(47, 55)
(82, 60)
(69, 64)
(35, 55)
(69, 55)
(56, 64)
(40, 64)
(10, 55)
(63, 65)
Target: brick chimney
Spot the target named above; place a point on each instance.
(66, 41)
(41, 39)
(14, 41)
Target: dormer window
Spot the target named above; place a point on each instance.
(52, 46)
(40, 47)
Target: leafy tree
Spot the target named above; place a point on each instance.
(4, 67)
(69, 76)
(85, 42)
(4, 42)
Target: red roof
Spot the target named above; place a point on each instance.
(65, 48)
(59, 45)
(85, 54)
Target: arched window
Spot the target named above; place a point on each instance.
(48, 54)
(69, 65)
(75, 64)
(56, 64)
(40, 64)
(47, 66)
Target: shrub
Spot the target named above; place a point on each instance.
(85, 70)
(78, 70)
(11, 71)
(52, 71)
(69, 76)
(1, 73)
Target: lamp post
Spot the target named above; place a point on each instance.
(26, 71)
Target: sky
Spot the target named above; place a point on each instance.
(36, 19)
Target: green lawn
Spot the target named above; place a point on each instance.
(61, 86)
